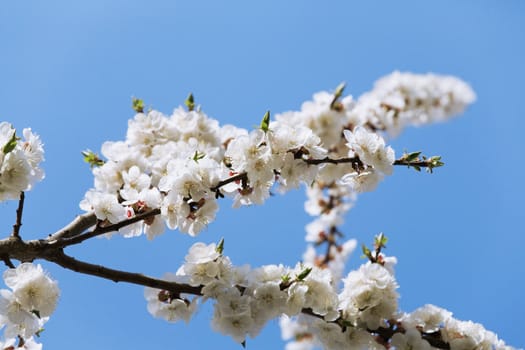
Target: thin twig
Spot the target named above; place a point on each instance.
(75, 227)
(100, 230)
(329, 160)
(19, 212)
(238, 177)
(418, 163)
(8, 262)
(355, 160)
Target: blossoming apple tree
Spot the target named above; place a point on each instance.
(171, 172)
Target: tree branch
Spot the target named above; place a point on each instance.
(100, 230)
(70, 263)
(8, 262)
(431, 162)
(238, 177)
(19, 211)
(75, 227)
(15, 248)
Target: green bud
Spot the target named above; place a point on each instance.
(285, 278)
(137, 105)
(436, 161)
(190, 102)
(339, 90)
(367, 253)
(220, 246)
(92, 158)
(265, 123)
(337, 94)
(380, 240)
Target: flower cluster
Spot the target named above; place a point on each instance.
(181, 164)
(402, 99)
(432, 320)
(354, 129)
(363, 315)
(245, 298)
(27, 305)
(19, 161)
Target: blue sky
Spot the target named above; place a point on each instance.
(69, 70)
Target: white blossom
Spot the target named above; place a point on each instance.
(105, 206)
(466, 335)
(172, 309)
(17, 318)
(409, 340)
(193, 220)
(27, 306)
(428, 318)
(19, 161)
(32, 288)
(252, 154)
(371, 149)
(369, 295)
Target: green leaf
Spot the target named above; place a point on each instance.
(92, 158)
(304, 274)
(410, 157)
(416, 167)
(11, 144)
(137, 105)
(220, 246)
(265, 123)
(244, 343)
(190, 102)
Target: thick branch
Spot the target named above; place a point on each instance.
(70, 263)
(15, 248)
